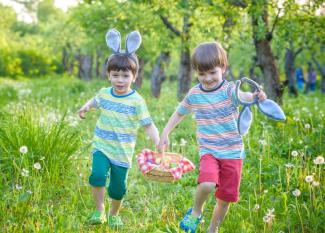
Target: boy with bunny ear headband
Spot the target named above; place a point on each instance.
(122, 112)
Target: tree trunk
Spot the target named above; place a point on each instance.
(185, 70)
(290, 71)
(158, 73)
(98, 58)
(321, 70)
(85, 67)
(139, 80)
(265, 58)
(103, 72)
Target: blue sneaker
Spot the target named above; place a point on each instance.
(189, 223)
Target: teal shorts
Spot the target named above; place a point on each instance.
(102, 169)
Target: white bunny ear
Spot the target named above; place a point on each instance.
(133, 42)
(113, 40)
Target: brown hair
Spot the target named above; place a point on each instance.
(209, 55)
(123, 62)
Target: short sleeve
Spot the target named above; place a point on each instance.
(185, 106)
(231, 92)
(98, 97)
(143, 114)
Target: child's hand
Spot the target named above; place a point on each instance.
(163, 142)
(82, 112)
(260, 95)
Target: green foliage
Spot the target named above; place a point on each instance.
(279, 156)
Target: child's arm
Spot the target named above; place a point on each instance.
(86, 108)
(173, 121)
(152, 132)
(249, 97)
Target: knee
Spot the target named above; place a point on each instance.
(207, 187)
(117, 192)
(97, 179)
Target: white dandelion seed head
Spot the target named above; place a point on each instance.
(262, 142)
(29, 191)
(307, 126)
(25, 172)
(266, 219)
(256, 207)
(289, 165)
(294, 153)
(315, 183)
(296, 192)
(23, 149)
(18, 187)
(309, 178)
(319, 160)
(37, 166)
(183, 142)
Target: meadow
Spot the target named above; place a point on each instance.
(45, 161)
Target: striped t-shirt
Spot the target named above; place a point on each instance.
(216, 115)
(116, 129)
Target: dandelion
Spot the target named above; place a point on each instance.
(269, 216)
(183, 142)
(37, 166)
(296, 192)
(262, 142)
(29, 191)
(315, 183)
(23, 149)
(289, 165)
(319, 160)
(294, 153)
(25, 172)
(309, 179)
(307, 126)
(256, 207)
(19, 187)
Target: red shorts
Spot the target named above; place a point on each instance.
(225, 173)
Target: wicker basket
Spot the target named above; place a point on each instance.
(163, 164)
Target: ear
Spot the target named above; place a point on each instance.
(244, 120)
(113, 40)
(133, 42)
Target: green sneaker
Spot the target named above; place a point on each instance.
(115, 221)
(97, 218)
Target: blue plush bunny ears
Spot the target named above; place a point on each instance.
(113, 41)
(267, 107)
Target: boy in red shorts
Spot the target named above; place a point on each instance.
(215, 105)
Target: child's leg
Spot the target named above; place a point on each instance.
(117, 187)
(98, 178)
(219, 213)
(99, 196)
(202, 193)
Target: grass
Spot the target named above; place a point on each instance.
(41, 115)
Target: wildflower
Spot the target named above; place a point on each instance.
(296, 192)
(309, 179)
(29, 191)
(183, 142)
(289, 165)
(25, 172)
(37, 166)
(307, 126)
(18, 187)
(23, 149)
(262, 142)
(319, 160)
(294, 153)
(269, 216)
(256, 207)
(315, 183)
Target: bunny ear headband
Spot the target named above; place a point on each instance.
(113, 41)
(267, 107)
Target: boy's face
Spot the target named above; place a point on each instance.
(210, 78)
(121, 81)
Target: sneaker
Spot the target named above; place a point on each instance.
(115, 221)
(97, 217)
(189, 223)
